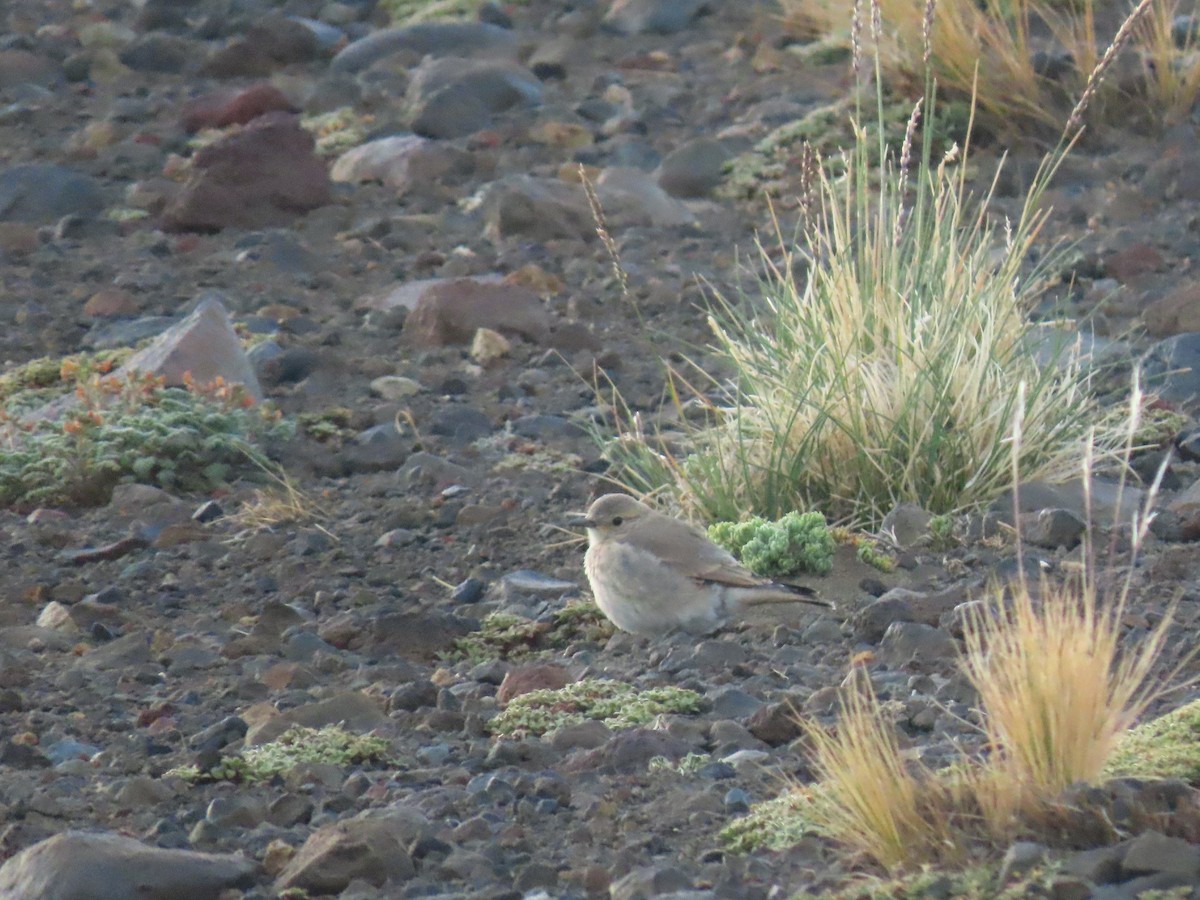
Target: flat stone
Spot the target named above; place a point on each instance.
(352, 710)
(403, 162)
(99, 866)
(694, 169)
(904, 642)
(652, 16)
(428, 39)
(43, 193)
(1153, 853)
(451, 312)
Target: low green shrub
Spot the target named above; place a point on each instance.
(132, 428)
(798, 542)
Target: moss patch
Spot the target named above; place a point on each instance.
(337, 131)
(616, 704)
(773, 824)
(332, 745)
(36, 382)
(773, 167)
(507, 636)
(1167, 747)
(980, 882)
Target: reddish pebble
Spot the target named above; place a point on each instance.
(524, 679)
(223, 109)
(110, 302)
(1135, 260)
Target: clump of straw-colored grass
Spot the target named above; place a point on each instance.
(1059, 685)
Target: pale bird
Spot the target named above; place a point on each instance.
(651, 574)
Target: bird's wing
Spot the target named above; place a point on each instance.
(690, 552)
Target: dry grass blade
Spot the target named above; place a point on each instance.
(871, 801)
(1171, 62)
(283, 502)
(1058, 684)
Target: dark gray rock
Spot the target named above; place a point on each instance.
(166, 54)
(452, 112)
(427, 39)
(652, 16)
(1152, 853)
(42, 193)
(694, 169)
(461, 425)
(649, 881)
(905, 642)
(1172, 370)
(1053, 528)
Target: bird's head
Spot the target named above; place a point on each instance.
(611, 516)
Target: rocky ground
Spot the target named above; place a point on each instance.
(457, 446)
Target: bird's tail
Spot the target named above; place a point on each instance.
(777, 592)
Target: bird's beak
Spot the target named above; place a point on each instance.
(578, 521)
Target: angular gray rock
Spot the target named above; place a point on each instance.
(204, 344)
(42, 193)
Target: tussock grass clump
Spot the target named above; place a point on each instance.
(870, 799)
(1059, 692)
(1060, 685)
(892, 371)
(1020, 59)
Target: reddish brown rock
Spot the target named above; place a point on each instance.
(110, 302)
(370, 847)
(270, 44)
(18, 238)
(224, 108)
(1133, 261)
(1177, 312)
(1187, 507)
(776, 723)
(266, 174)
(451, 312)
(524, 679)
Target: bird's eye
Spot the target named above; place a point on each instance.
(617, 520)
